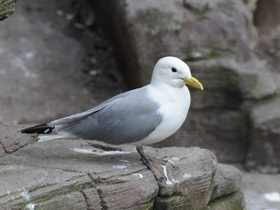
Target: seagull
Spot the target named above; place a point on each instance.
(141, 116)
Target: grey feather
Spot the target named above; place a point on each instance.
(82, 115)
(125, 118)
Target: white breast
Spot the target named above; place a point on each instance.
(174, 107)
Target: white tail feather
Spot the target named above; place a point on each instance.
(48, 137)
(99, 152)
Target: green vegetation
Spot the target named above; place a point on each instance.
(7, 8)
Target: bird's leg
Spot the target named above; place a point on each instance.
(154, 165)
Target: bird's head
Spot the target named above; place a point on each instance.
(174, 72)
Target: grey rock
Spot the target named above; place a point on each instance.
(256, 81)
(200, 6)
(52, 175)
(241, 81)
(145, 31)
(268, 49)
(232, 201)
(11, 140)
(73, 200)
(263, 153)
(183, 170)
(92, 199)
(225, 180)
(220, 131)
(22, 185)
(47, 57)
(267, 15)
(256, 186)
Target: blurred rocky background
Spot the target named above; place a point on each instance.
(237, 116)
(63, 57)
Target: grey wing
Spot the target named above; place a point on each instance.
(129, 119)
(83, 115)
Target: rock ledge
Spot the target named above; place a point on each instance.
(56, 175)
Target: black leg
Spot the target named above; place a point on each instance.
(156, 168)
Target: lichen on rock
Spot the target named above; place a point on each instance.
(7, 8)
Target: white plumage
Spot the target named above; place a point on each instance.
(142, 116)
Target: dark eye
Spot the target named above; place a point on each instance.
(174, 70)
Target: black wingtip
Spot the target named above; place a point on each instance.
(42, 128)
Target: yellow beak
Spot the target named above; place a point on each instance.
(194, 82)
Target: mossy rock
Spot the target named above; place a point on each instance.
(7, 8)
(234, 201)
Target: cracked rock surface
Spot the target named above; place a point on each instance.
(65, 174)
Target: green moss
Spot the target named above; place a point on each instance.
(7, 8)
(7, 160)
(234, 201)
(150, 205)
(204, 11)
(266, 100)
(154, 22)
(214, 54)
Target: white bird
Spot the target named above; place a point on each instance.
(141, 116)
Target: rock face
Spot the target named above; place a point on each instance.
(267, 16)
(53, 175)
(217, 40)
(59, 56)
(146, 31)
(265, 135)
(7, 145)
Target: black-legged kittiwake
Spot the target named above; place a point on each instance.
(141, 116)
